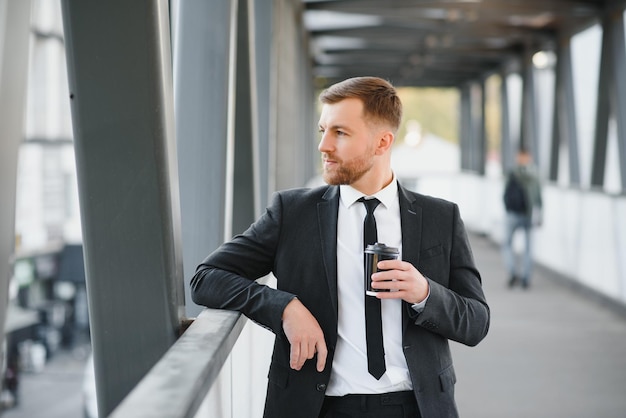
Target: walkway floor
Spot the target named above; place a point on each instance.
(551, 351)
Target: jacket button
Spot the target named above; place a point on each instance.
(321, 387)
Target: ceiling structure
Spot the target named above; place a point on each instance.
(438, 43)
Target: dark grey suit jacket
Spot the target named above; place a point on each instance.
(296, 239)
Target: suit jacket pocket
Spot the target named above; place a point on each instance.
(433, 265)
(431, 252)
(278, 375)
(447, 379)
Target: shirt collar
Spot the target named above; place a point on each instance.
(349, 195)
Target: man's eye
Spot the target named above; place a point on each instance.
(341, 133)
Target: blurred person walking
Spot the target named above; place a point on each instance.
(524, 206)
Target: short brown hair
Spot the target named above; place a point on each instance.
(379, 97)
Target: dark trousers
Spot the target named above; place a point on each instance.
(385, 405)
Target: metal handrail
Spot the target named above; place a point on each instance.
(176, 386)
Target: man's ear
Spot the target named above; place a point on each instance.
(385, 141)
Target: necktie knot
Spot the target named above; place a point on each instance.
(370, 204)
(370, 235)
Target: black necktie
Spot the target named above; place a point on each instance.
(373, 320)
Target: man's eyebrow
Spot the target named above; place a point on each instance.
(335, 127)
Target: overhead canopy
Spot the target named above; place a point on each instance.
(437, 42)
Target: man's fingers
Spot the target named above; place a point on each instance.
(294, 357)
(302, 352)
(322, 353)
(304, 334)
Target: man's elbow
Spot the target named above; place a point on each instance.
(198, 286)
(481, 328)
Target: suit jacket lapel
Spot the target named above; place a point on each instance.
(327, 212)
(411, 224)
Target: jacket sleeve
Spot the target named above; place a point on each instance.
(226, 279)
(456, 308)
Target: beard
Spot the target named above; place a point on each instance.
(347, 172)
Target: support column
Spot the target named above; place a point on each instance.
(611, 98)
(119, 70)
(14, 32)
(506, 150)
(204, 48)
(564, 126)
(600, 142)
(262, 62)
(291, 73)
(245, 163)
(529, 126)
(481, 138)
(465, 135)
(473, 141)
(617, 87)
(555, 143)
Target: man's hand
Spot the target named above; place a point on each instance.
(404, 281)
(305, 336)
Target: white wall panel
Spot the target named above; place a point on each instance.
(583, 235)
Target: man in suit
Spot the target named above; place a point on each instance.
(312, 240)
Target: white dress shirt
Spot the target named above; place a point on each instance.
(349, 369)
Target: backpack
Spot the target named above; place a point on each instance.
(515, 199)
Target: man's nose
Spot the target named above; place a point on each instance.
(325, 144)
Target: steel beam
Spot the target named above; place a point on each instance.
(601, 134)
(120, 81)
(506, 145)
(245, 145)
(617, 89)
(529, 138)
(261, 53)
(291, 160)
(465, 134)
(204, 89)
(564, 127)
(611, 98)
(480, 144)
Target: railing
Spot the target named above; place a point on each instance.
(176, 386)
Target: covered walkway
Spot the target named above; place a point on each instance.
(155, 130)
